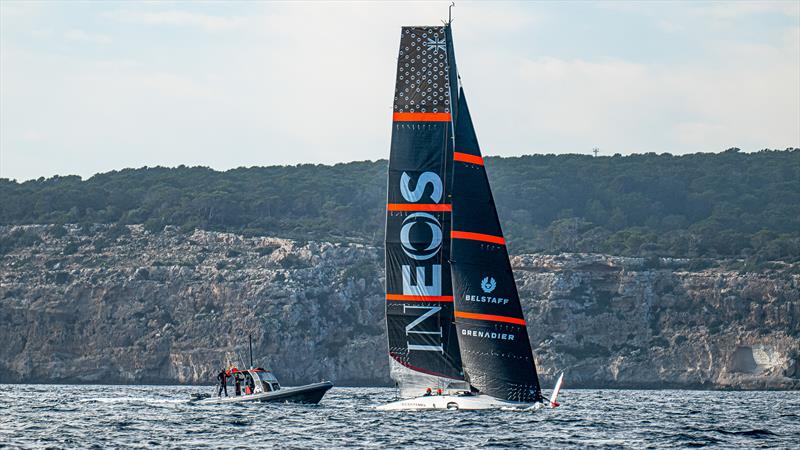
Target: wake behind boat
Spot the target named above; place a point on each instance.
(454, 319)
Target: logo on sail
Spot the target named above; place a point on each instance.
(435, 236)
(421, 239)
(488, 334)
(488, 284)
(435, 44)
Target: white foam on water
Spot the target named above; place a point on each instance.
(149, 400)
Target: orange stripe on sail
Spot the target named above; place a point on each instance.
(467, 158)
(420, 117)
(490, 318)
(418, 207)
(478, 237)
(420, 298)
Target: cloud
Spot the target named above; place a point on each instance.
(83, 36)
(17, 10)
(635, 107)
(721, 10)
(41, 33)
(670, 26)
(735, 10)
(34, 136)
(178, 18)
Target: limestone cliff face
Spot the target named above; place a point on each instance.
(167, 307)
(613, 322)
(128, 306)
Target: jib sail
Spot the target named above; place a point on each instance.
(423, 345)
(495, 350)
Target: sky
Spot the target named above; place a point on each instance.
(98, 86)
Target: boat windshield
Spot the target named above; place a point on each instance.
(264, 381)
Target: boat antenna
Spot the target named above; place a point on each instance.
(450, 13)
(250, 342)
(241, 360)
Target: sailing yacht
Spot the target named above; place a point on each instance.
(453, 315)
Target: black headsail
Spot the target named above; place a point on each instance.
(495, 348)
(419, 300)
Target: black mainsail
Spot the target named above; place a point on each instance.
(493, 337)
(423, 345)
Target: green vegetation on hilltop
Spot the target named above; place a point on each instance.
(730, 204)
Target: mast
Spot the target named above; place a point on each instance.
(423, 345)
(250, 344)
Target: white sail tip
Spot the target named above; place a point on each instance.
(556, 390)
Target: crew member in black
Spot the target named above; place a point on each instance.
(223, 383)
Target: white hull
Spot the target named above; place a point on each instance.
(468, 402)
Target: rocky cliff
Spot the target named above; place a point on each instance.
(122, 305)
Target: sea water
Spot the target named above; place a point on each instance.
(61, 416)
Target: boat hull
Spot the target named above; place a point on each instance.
(308, 394)
(453, 402)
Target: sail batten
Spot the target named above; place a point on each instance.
(490, 318)
(418, 207)
(421, 117)
(420, 298)
(482, 237)
(468, 158)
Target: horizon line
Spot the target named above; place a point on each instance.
(526, 155)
